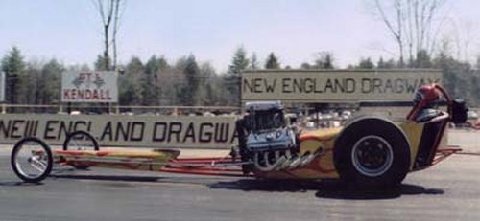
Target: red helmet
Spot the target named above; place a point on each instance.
(427, 94)
(425, 98)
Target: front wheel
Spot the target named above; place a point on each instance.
(372, 152)
(80, 140)
(31, 160)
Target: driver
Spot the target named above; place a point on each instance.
(426, 98)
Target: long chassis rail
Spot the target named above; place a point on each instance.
(215, 166)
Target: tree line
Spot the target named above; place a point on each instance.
(187, 82)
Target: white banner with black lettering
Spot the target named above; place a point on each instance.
(87, 86)
(131, 131)
(335, 85)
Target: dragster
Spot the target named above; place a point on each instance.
(368, 151)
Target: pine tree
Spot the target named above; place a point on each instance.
(365, 63)
(254, 62)
(14, 67)
(240, 62)
(49, 82)
(272, 62)
(324, 61)
(101, 63)
(381, 63)
(151, 89)
(192, 84)
(130, 89)
(423, 60)
(206, 94)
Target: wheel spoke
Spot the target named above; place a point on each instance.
(40, 166)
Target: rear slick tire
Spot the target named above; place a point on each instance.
(372, 153)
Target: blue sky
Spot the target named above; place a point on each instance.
(294, 30)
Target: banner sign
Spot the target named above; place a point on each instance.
(130, 131)
(89, 86)
(336, 85)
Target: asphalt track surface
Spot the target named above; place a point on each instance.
(448, 191)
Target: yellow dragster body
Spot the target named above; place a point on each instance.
(420, 143)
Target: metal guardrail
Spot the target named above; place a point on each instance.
(116, 109)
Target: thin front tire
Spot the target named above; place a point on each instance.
(31, 160)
